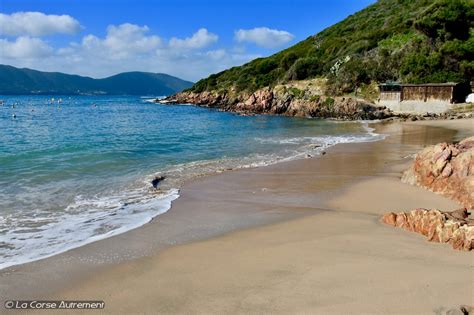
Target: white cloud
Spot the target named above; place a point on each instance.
(37, 24)
(125, 47)
(24, 47)
(131, 37)
(216, 54)
(264, 37)
(121, 41)
(202, 38)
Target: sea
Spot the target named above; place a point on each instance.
(77, 169)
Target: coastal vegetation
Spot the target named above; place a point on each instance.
(410, 41)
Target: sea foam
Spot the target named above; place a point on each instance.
(75, 176)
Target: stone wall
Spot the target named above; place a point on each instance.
(417, 107)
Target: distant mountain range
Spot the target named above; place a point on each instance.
(27, 81)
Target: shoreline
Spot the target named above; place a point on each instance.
(95, 261)
(286, 206)
(307, 98)
(212, 168)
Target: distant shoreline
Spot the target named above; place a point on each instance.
(16, 81)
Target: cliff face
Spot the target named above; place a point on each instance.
(447, 169)
(289, 100)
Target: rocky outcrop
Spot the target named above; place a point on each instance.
(460, 310)
(447, 169)
(286, 100)
(157, 180)
(453, 227)
(301, 98)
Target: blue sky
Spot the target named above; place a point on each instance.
(189, 39)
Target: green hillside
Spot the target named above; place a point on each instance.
(27, 81)
(412, 41)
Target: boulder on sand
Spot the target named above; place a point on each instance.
(447, 169)
(453, 227)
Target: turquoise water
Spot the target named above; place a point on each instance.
(80, 170)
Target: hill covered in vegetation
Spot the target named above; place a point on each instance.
(27, 81)
(410, 41)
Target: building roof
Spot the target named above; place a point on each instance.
(419, 85)
(432, 84)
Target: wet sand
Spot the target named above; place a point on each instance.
(296, 237)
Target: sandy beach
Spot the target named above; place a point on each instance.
(298, 237)
(237, 157)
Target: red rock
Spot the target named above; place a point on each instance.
(453, 227)
(447, 169)
(267, 100)
(389, 218)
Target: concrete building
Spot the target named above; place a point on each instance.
(422, 98)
